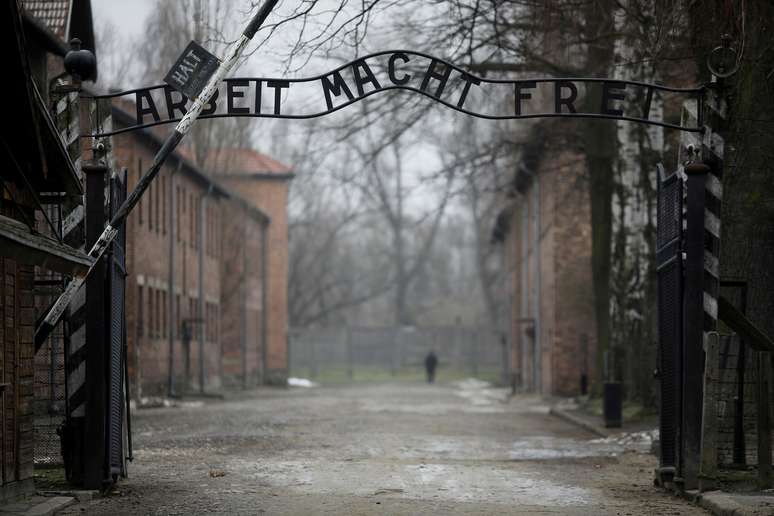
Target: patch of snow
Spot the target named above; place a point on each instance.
(300, 382)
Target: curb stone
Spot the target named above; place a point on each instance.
(720, 503)
(570, 418)
(38, 506)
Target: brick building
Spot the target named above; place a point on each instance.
(40, 184)
(264, 183)
(545, 231)
(202, 264)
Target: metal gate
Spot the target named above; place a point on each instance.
(669, 269)
(116, 335)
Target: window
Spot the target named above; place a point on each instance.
(156, 195)
(176, 222)
(151, 327)
(197, 229)
(177, 315)
(139, 175)
(192, 220)
(183, 197)
(163, 205)
(151, 190)
(163, 313)
(140, 311)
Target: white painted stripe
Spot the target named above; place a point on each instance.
(77, 339)
(80, 411)
(714, 186)
(62, 104)
(712, 223)
(72, 220)
(689, 114)
(711, 264)
(710, 305)
(76, 378)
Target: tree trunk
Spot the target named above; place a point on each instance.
(600, 138)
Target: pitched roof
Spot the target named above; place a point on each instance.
(233, 161)
(55, 14)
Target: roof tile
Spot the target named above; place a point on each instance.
(53, 13)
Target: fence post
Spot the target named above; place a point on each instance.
(96, 388)
(763, 369)
(395, 336)
(474, 343)
(693, 352)
(709, 464)
(350, 365)
(312, 359)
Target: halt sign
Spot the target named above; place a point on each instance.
(192, 70)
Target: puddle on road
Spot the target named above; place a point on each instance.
(447, 482)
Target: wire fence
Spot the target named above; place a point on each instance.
(382, 353)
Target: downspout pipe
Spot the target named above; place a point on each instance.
(171, 305)
(264, 298)
(538, 327)
(243, 308)
(202, 322)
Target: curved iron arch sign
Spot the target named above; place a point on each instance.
(412, 71)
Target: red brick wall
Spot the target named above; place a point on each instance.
(233, 350)
(149, 228)
(17, 319)
(241, 270)
(271, 197)
(565, 285)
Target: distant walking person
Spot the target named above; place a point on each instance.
(431, 362)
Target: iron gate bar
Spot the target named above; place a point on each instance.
(669, 271)
(697, 92)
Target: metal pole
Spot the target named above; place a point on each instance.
(264, 299)
(172, 328)
(537, 357)
(181, 130)
(202, 321)
(243, 308)
(693, 352)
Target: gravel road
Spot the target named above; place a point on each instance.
(402, 448)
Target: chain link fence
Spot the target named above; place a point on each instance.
(382, 353)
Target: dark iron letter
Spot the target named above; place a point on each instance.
(232, 94)
(336, 87)
(142, 111)
(258, 88)
(469, 79)
(391, 69)
(519, 86)
(173, 105)
(559, 101)
(440, 77)
(278, 87)
(612, 91)
(648, 101)
(360, 81)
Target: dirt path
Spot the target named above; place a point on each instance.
(379, 449)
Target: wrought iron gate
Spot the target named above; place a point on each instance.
(669, 269)
(116, 335)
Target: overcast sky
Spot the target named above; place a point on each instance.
(128, 15)
(129, 19)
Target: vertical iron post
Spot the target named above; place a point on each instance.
(693, 325)
(94, 439)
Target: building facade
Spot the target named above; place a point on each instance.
(544, 228)
(41, 186)
(203, 262)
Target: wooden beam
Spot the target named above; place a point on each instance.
(739, 322)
